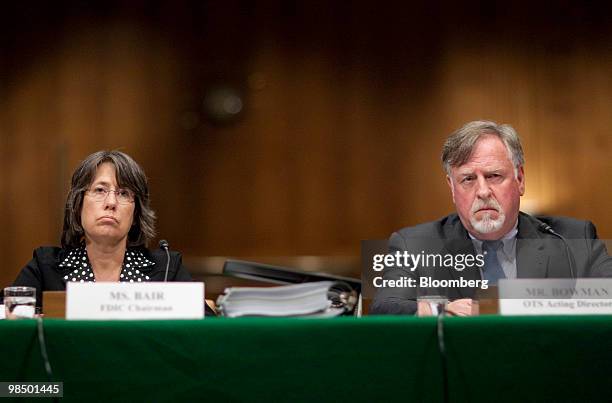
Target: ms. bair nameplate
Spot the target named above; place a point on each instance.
(582, 296)
(128, 301)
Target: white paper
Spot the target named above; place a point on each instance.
(564, 306)
(592, 296)
(288, 300)
(127, 301)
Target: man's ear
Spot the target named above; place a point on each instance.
(449, 181)
(520, 177)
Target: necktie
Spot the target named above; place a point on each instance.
(492, 268)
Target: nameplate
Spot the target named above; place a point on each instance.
(592, 296)
(98, 301)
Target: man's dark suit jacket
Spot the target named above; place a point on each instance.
(538, 255)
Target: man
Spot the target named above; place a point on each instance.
(484, 171)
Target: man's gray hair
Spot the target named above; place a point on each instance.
(460, 144)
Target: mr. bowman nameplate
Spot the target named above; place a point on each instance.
(135, 301)
(583, 296)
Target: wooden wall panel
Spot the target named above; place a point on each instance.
(345, 112)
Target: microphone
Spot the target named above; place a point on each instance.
(543, 227)
(163, 244)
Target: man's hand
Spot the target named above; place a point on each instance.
(462, 307)
(424, 309)
(458, 307)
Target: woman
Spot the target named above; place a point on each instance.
(107, 225)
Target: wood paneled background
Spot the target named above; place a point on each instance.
(345, 108)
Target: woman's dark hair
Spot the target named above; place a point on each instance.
(129, 175)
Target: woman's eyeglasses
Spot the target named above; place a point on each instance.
(100, 193)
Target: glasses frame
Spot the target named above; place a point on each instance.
(99, 198)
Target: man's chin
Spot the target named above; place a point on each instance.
(487, 225)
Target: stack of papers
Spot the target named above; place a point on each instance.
(307, 299)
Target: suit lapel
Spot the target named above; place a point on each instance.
(457, 242)
(531, 258)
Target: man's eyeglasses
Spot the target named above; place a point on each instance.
(100, 193)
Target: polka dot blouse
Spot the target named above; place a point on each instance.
(78, 268)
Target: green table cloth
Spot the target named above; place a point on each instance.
(488, 358)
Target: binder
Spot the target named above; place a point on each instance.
(304, 293)
(315, 299)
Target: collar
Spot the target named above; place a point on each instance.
(508, 241)
(77, 268)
